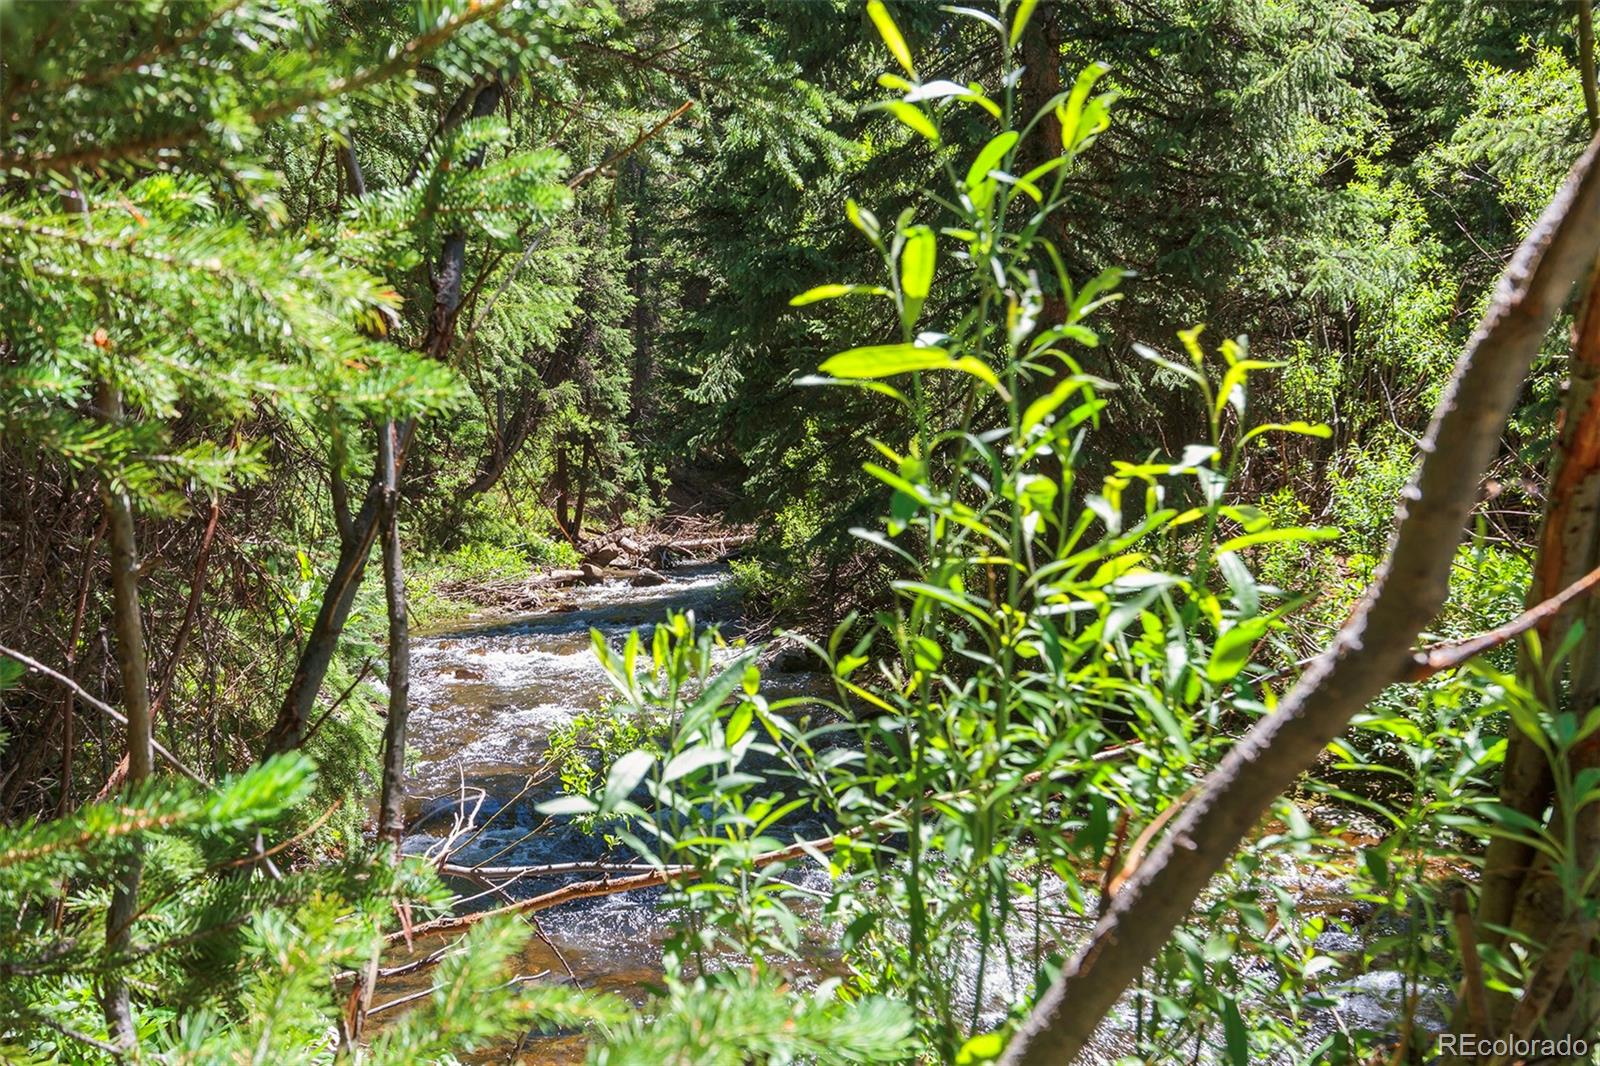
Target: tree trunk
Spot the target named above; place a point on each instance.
(1371, 650)
(391, 808)
(586, 458)
(505, 441)
(644, 315)
(169, 673)
(1519, 890)
(131, 664)
(294, 713)
(563, 514)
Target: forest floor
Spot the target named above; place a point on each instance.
(637, 554)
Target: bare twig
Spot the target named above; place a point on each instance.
(1437, 658)
(99, 705)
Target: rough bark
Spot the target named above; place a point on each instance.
(391, 807)
(1519, 889)
(1371, 650)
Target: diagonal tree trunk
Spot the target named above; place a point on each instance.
(1370, 651)
(294, 713)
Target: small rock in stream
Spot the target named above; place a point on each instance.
(647, 578)
(1377, 1001)
(604, 556)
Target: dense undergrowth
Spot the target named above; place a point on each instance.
(285, 287)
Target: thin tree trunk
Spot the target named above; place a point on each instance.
(391, 808)
(563, 514)
(504, 444)
(586, 457)
(288, 731)
(1591, 97)
(1371, 650)
(191, 611)
(131, 663)
(323, 640)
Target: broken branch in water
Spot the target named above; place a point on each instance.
(605, 886)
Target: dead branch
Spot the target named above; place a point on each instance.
(99, 705)
(1437, 658)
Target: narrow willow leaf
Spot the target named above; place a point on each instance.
(882, 360)
(1071, 111)
(625, 775)
(1234, 1036)
(917, 262)
(1305, 429)
(1233, 650)
(1020, 22)
(990, 156)
(862, 219)
(833, 292)
(891, 35)
(912, 116)
(1278, 536)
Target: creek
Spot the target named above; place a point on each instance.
(485, 700)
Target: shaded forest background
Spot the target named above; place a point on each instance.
(460, 288)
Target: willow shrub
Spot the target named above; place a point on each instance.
(1059, 665)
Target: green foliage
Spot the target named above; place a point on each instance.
(240, 968)
(738, 1018)
(714, 819)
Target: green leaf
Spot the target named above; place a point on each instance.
(1046, 405)
(1276, 536)
(687, 762)
(891, 35)
(625, 775)
(912, 116)
(1233, 650)
(1234, 1036)
(989, 157)
(1305, 429)
(1019, 23)
(985, 1047)
(1071, 112)
(917, 262)
(833, 292)
(883, 360)
(971, 364)
(862, 219)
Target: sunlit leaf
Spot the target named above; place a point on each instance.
(891, 35)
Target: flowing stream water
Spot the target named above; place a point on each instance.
(485, 701)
